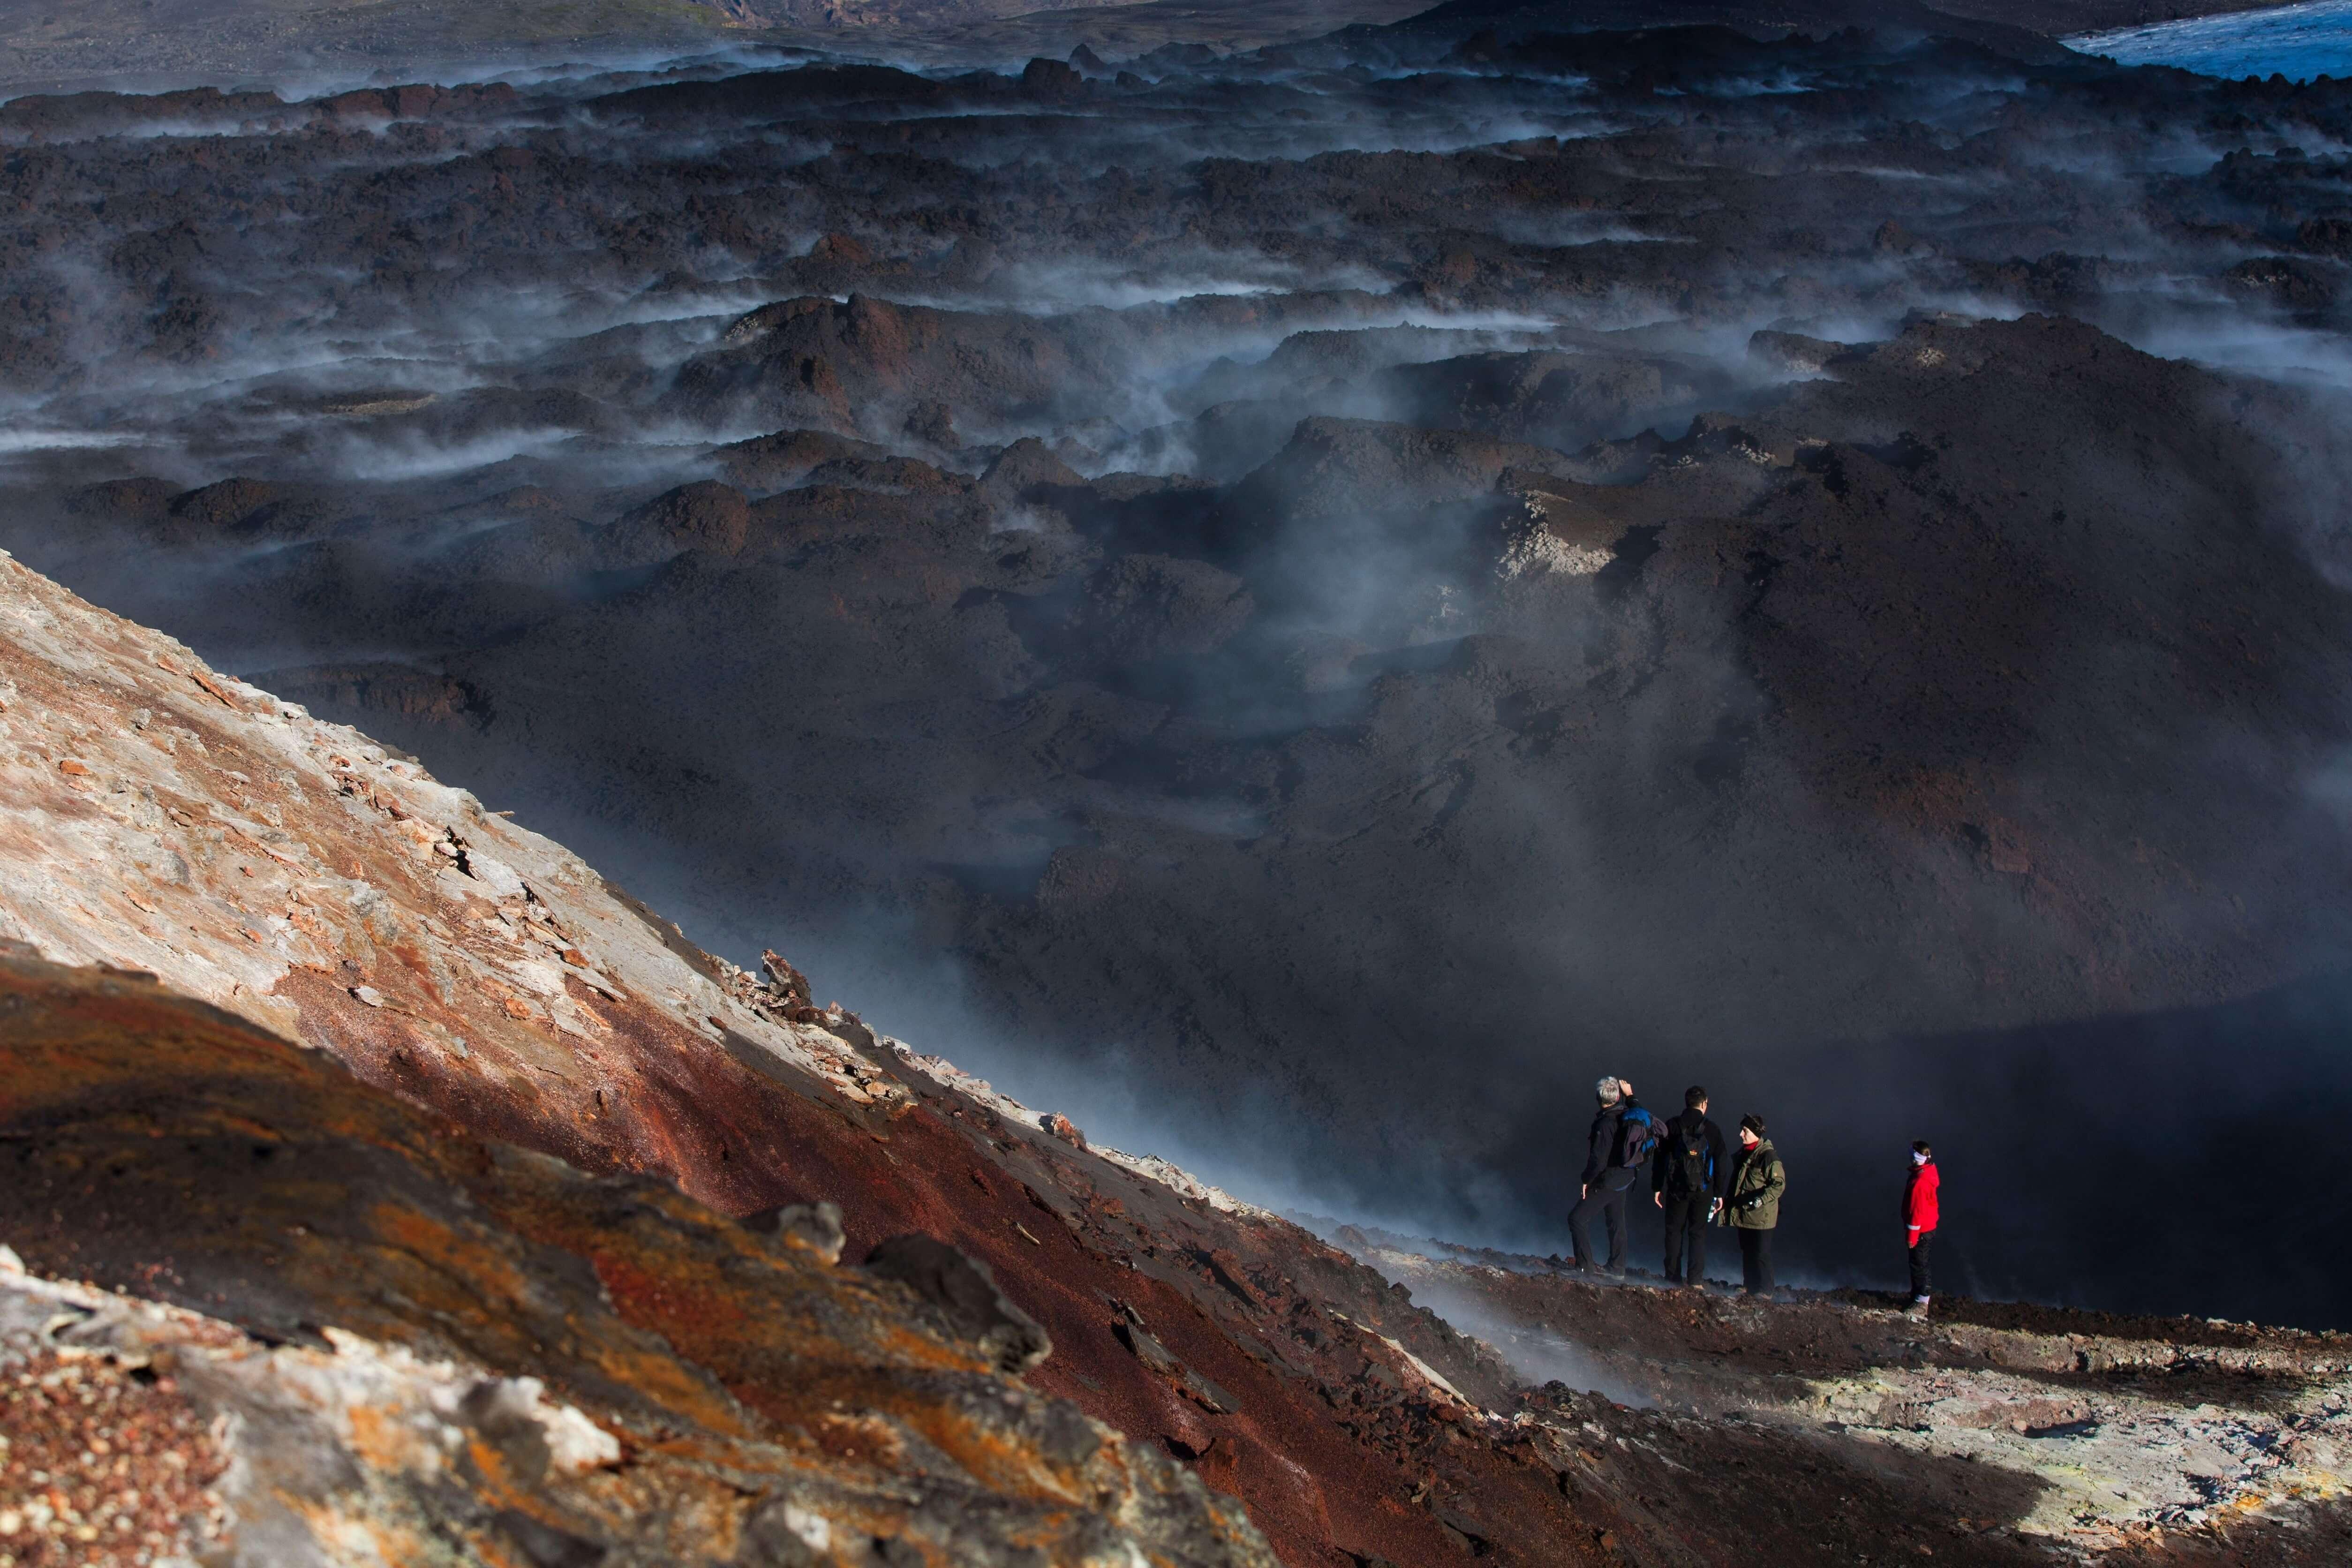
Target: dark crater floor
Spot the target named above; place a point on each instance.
(1301, 605)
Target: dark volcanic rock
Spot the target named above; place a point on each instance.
(1484, 541)
(705, 515)
(1144, 608)
(261, 1184)
(965, 1293)
(522, 1104)
(458, 1262)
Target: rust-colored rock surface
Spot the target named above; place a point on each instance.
(164, 821)
(456, 1350)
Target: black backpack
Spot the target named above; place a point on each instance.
(1690, 1155)
(1637, 1134)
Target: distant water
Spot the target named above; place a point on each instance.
(2298, 42)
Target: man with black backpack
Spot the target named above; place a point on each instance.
(1689, 1181)
(1623, 1134)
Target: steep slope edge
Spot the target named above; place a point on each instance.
(160, 819)
(410, 1292)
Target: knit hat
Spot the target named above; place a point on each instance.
(1607, 1090)
(1753, 1122)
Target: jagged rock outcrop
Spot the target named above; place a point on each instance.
(402, 1339)
(311, 1045)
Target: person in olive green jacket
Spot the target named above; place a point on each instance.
(1754, 1207)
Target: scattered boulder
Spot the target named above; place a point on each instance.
(1158, 1358)
(963, 1290)
(816, 1226)
(1052, 78)
(705, 515)
(784, 978)
(1024, 467)
(2287, 281)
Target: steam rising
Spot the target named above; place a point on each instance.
(1296, 607)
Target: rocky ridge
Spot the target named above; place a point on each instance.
(478, 1021)
(729, 1397)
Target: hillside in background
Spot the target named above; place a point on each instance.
(47, 44)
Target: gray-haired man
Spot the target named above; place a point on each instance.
(1609, 1173)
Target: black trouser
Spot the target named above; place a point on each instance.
(1687, 1217)
(1606, 1197)
(1919, 1291)
(1756, 1260)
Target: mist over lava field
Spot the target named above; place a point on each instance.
(1297, 605)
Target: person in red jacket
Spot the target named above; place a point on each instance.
(1919, 1214)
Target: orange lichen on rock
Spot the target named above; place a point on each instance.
(441, 1312)
(491, 994)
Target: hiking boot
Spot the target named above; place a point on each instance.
(1918, 1308)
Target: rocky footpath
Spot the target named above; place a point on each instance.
(1992, 1432)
